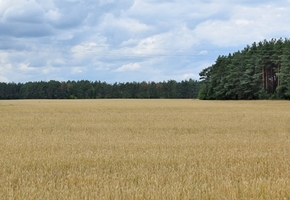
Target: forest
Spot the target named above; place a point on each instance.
(260, 71)
(84, 89)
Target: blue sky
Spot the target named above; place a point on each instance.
(129, 40)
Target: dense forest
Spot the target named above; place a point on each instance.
(260, 71)
(84, 89)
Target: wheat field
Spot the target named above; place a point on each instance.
(144, 149)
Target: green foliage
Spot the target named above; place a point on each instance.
(260, 71)
(95, 90)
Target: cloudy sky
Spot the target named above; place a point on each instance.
(129, 40)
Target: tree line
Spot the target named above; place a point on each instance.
(260, 71)
(84, 89)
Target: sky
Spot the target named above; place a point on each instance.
(129, 40)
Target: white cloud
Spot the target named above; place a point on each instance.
(189, 75)
(203, 52)
(48, 70)
(90, 49)
(246, 25)
(52, 15)
(104, 2)
(118, 29)
(143, 39)
(25, 67)
(4, 79)
(226, 33)
(128, 67)
(4, 71)
(76, 70)
(26, 12)
(161, 45)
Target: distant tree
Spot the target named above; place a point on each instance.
(85, 89)
(53, 90)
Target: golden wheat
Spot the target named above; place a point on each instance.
(144, 149)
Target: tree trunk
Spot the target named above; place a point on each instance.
(263, 77)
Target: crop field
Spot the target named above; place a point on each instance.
(144, 149)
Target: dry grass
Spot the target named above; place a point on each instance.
(144, 149)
